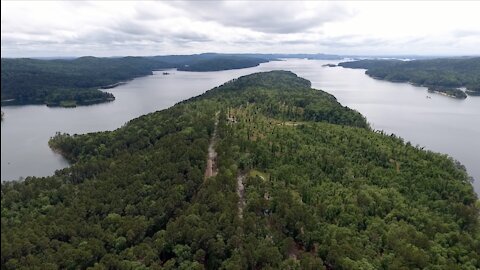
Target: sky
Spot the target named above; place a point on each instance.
(110, 28)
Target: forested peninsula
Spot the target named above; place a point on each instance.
(262, 172)
(72, 82)
(443, 75)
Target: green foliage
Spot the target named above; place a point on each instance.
(437, 73)
(222, 63)
(285, 96)
(75, 82)
(53, 81)
(322, 191)
(451, 92)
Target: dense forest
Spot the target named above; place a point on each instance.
(442, 75)
(223, 63)
(27, 81)
(316, 56)
(301, 182)
(71, 82)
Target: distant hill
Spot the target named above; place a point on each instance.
(262, 172)
(33, 81)
(439, 74)
(222, 63)
(71, 82)
(317, 56)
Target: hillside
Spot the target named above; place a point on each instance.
(32, 81)
(298, 182)
(71, 82)
(222, 63)
(442, 75)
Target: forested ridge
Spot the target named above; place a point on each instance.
(71, 82)
(441, 75)
(322, 191)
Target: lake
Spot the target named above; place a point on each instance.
(441, 124)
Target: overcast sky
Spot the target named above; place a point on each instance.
(107, 28)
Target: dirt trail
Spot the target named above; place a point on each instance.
(212, 169)
(241, 194)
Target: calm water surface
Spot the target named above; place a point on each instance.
(440, 124)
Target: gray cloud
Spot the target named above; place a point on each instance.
(351, 41)
(190, 37)
(279, 17)
(466, 33)
(133, 28)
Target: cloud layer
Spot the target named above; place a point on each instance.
(150, 28)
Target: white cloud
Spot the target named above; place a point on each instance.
(149, 28)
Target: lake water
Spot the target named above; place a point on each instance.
(441, 124)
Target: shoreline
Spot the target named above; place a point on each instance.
(467, 92)
(113, 85)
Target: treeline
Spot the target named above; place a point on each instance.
(222, 63)
(76, 81)
(28, 81)
(441, 74)
(323, 191)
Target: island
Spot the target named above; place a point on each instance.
(329, 65)
(262, 172)
(444, 75)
